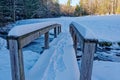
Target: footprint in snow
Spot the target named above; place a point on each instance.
(60, 66)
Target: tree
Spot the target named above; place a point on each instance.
(84, 6)
(78, 11)
(69, 3)
(5, 12)
(53, 8)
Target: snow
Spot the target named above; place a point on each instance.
(56, 62)
(105, 28)
(106, 70)
(24, 29)
(2, 43)
(59, 61)
(84, 31)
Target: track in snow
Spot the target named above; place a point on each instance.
(58, 60)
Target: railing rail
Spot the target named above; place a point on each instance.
(16, 43)
(88, 46)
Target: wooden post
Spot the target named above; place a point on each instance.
(75, 44)
(87, 60)
(70, 30)
(16, 57)
(73, 36)
(55, 32)
(60, 28)
(46, 40)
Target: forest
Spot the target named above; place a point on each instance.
(13, 10)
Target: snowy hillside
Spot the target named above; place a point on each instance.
(59, 61)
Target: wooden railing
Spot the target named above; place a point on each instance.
(88, 44)
(17, 42)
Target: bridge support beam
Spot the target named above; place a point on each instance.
(16, 57)
(55, 32)
(46, 40)
(87, 60)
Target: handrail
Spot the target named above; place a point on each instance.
(88, 43)
(17, 41)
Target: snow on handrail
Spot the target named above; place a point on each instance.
(24, 29)
(84, 31)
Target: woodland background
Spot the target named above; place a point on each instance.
(13, 10)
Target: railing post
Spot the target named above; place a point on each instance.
(55, 32)
(75, 44)
(87, 60)
(16, 57)
(46, 40)
(60, 28)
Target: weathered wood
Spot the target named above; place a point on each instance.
(46, 40)
(87, 61)
(88, 47)
(28, 39)
(55, 32)
(60, 28)
(16, 43)
(16, 61)
(75, 44)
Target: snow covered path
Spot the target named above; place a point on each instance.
(59, 60)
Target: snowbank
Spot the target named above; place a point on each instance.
(105, 28)
(3, 43)
(103, 70)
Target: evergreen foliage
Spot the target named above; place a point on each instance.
(13, 10)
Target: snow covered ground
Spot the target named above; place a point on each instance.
(59, 62)
(106, 28)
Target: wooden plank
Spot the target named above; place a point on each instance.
(17, 68)
(26, 39)
(46, 40)
(87, 61)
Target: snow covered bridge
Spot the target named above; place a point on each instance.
(21, 36)
(58, 62)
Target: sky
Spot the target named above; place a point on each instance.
(74, 2)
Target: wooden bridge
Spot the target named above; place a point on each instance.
(17, 41)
